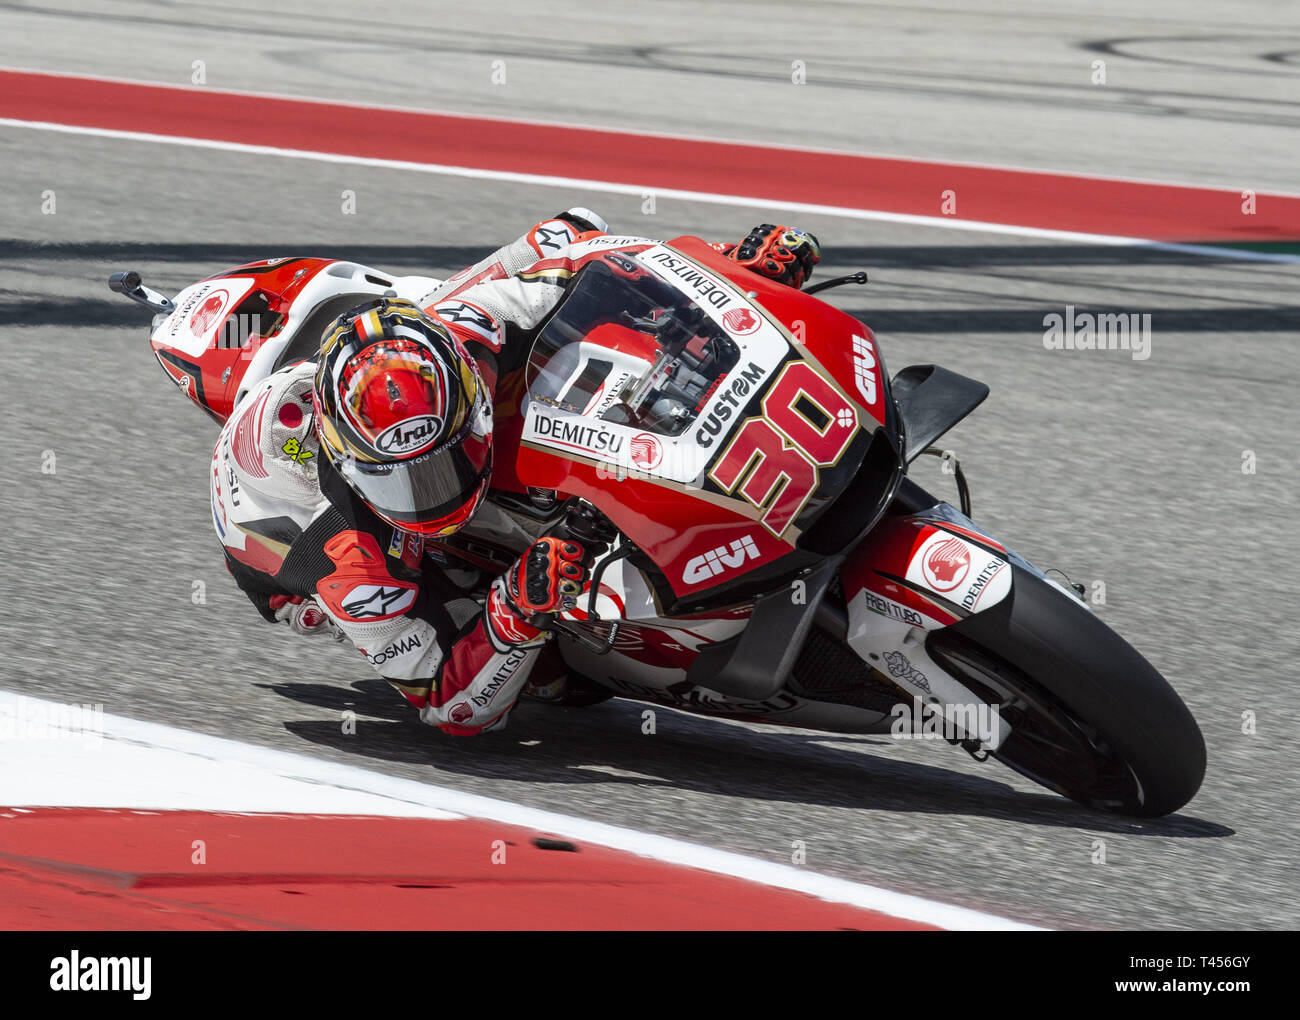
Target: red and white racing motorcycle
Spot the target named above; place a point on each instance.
(736, 453)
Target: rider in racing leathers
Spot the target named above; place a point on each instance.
(334, 473)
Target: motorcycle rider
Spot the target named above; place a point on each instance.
(330, 476)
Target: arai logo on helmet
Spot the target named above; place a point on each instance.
(411, 435)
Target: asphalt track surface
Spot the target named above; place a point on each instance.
(1114, 470)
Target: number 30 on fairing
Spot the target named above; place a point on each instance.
(772, 461)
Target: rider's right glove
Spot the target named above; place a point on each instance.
(545, 580)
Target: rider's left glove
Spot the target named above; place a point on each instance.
(784, 254)
(304, 617)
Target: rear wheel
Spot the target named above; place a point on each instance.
(1090, 718)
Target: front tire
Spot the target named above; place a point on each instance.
(1090, 717)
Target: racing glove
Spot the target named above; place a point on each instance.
(784, 254)
(545, 580)
(304, 617)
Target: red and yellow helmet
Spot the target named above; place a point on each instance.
(404, 416)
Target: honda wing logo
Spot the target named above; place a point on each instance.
(720, 560)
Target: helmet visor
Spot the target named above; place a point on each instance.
(428, 492)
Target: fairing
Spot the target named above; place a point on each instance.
(233, 329)
(714, 416)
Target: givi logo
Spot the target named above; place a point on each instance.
(720, 560)
(864, 370)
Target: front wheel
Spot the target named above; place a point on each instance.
(1090, 717)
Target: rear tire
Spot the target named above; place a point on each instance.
(1090, 717)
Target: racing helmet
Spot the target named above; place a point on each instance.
(404, 416)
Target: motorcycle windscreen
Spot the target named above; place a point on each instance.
(629, 349)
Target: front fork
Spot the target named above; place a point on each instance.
(917, 573)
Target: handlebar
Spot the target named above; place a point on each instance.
(587, 525)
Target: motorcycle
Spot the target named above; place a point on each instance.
(736, 455)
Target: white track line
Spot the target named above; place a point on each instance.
(406, 798)
(712, 198)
